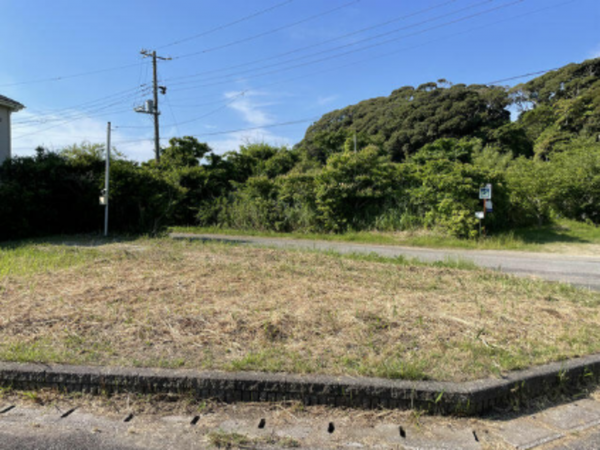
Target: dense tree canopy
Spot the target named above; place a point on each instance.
(410, 118)
(560, 105)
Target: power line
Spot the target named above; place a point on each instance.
(67, 77)
(48, 118)
(124, 94)
(315, 118)
(227, 25)
(300, 49)
(235, 74)
(172, 114)
(72, 115)
(126, 66)
(240, 130)
(326, 59)
(73, 119)
(420, 45)
(69, 118)
(266, 33)
(432, 41)
(197, 105)
(141, 82)
(531, 74)
(404, 49)
(210, 113)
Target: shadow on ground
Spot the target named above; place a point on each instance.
(549, 235)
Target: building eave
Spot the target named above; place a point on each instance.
(11, 104)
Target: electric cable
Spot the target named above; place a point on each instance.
(227, 25)
(266, 33)
(329, 58)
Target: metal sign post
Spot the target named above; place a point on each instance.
(106, 180)
(480, 215)
(485, 194)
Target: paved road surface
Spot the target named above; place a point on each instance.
(583, 271)
(568, 426)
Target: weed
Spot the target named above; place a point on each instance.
(223, 439)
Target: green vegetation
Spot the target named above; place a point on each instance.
(32, 259)
(422, 154)
(224, 439)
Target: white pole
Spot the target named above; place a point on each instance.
(106, 180)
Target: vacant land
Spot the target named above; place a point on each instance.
(216, 306)
(565, 236)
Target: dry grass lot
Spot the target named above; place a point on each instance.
(216, 306)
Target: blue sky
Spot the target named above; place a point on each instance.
(262, 70)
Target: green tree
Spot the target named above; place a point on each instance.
(184, 152)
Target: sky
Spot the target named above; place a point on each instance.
(263, 70)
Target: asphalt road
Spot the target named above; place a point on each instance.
(582, 271)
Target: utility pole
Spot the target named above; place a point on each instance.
(154, 108)
(156, 111)
(106, 180)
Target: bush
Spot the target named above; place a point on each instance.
(353, 189)
(46, 194)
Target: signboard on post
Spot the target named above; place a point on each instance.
(485, 193)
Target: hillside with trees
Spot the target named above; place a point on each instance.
(421, 155)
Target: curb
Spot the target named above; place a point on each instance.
(470, 398)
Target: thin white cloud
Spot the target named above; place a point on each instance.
(322, 101)
(252, 112)
(595, 53)
(54, 132)
(250, 106)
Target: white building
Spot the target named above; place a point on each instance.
(7, 107)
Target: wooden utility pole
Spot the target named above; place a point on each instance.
(155, 111)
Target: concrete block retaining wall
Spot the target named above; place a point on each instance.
(473, 397)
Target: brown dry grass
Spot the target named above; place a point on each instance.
(176, 304)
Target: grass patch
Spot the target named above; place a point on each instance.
(401, 260)
(35, 258)
(165, 303)
(565, 236)
(223, 439)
